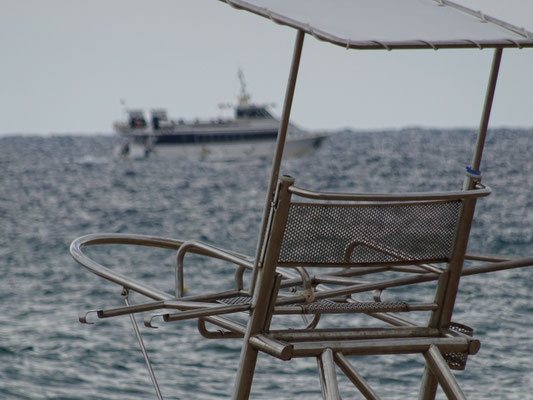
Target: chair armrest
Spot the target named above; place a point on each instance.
(126, 239)
(200, 248)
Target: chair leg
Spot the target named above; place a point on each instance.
(428, 388)
(259, 321)
(443, 374)
(245, 373)
(328, 376)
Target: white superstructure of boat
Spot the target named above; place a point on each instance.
(251, 132)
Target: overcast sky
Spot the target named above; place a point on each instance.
(66, 64)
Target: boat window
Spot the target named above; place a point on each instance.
(252, 112)
(136, 119)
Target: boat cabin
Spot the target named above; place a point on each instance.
(252, 112)
(136, 119)
(159, 118)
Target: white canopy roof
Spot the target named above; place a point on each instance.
(391, 24)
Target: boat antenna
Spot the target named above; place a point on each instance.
(244, 96)
(124, 107)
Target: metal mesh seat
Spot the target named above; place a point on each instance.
(332, 307)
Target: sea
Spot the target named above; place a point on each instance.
(56, 188)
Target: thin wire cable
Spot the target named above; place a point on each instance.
(143, 348)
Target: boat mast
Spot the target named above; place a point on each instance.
(244, 97)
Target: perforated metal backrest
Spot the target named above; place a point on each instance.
(369, 233)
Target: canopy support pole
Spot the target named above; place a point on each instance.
(280, 145)
(429, 381)
(483, 126)
(471, 178)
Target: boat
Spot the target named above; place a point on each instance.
(317, 252)
(252, 131)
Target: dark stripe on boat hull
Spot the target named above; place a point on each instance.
(206, 138)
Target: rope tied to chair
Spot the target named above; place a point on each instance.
(308, 295)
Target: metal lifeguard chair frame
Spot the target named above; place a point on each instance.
(315, 253)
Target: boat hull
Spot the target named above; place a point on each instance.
(295, 146)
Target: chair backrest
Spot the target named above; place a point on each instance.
(371, 233)
(359, 230)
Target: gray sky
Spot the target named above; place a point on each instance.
(66, 65)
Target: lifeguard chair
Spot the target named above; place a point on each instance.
(317, 250)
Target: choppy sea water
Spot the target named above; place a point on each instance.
(54, 189)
